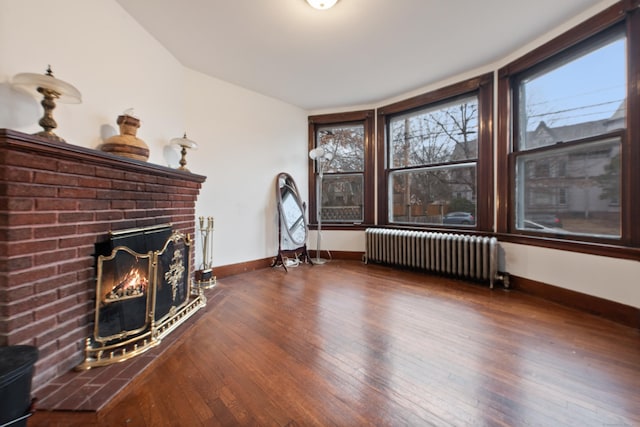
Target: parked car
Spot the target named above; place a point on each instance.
(548, 220)
(464, 218)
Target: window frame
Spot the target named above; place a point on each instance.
(627, 14)
(365, 118)
(480, 86)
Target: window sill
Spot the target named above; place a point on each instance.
(611, 250)
(344, 227)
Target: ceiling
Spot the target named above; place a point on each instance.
(358, 53)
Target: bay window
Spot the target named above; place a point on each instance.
(436, 158)
(341, 181)
(568, 137)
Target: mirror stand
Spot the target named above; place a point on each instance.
(300, 254)
(292, 224)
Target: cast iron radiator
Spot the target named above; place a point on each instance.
(459, 255)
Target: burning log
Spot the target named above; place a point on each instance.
(132, 285)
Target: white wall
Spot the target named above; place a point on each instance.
(244, 138)
(102, 51)
(609, 278)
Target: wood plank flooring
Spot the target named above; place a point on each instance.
(347, 344)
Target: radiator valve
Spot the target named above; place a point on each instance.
(504, 278)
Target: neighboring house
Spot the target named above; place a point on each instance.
(572, 183)
(463, 185)
(565, 184)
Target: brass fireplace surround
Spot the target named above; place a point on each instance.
(158, 292)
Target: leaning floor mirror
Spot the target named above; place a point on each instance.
(292, 224)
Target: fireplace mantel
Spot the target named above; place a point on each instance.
(11, 140)
(57, 201)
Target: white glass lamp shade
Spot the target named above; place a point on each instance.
(52, 90)
(184, 142)
(316, 153)
(66, 92)
(320, 154)
(322, 4)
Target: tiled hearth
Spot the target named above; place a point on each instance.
(92, 390)
(56, 202)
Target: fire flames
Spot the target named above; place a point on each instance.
(133, 284)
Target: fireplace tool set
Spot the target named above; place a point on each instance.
(204, 278)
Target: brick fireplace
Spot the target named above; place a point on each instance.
(56, 202)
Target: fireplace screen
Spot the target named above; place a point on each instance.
(123, 292)
(173, 288)
(143, 292)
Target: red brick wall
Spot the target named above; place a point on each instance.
(56, 202)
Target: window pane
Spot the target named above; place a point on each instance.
(435, 135)
(582, 96)
(346, 145)
(342, 198)
(577, 191)
(437, 195)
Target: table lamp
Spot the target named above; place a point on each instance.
(51, 89)
(184, 143)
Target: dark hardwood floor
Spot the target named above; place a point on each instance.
(347, 344)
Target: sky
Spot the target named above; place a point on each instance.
(585, 89)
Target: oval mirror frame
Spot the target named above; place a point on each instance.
(291, 212)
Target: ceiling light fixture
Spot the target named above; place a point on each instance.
(322, 4)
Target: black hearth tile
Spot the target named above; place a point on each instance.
(54, 399)
(134, 367)
(155, 351)
(76, 400)
(96, 372)
(96, 387)
(43, 394)
(104, 374)
(104, 395)
(63, 379)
